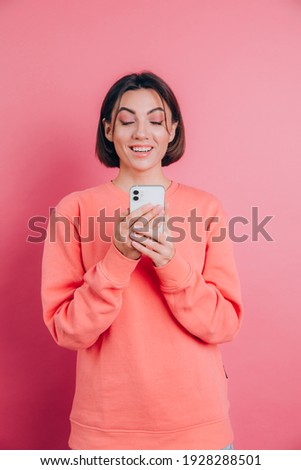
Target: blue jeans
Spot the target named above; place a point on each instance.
(230, 446)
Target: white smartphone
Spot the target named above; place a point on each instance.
(144, 194)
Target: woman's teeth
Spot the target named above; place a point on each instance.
(141, 149)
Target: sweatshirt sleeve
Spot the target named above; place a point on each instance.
(79, 305)
(208, 303)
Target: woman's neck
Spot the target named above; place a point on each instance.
(125, 182)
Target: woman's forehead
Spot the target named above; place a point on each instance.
(143, 100)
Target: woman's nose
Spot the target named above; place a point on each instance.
(140, 130)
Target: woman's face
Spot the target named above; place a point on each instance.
(140, 135)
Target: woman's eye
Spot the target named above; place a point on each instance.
(125, 123)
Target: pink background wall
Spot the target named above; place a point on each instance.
(236, 69)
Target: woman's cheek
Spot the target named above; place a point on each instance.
(160, 131)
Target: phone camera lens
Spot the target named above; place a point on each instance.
(136, 191)
(136, 198)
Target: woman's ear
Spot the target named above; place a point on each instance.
(173, 131)
(108, 130)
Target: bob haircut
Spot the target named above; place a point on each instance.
(105, 150)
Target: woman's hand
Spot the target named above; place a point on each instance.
(148, 241)
(123, 228)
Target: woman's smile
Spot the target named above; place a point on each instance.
(141, 151)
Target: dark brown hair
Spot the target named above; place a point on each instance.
(105, 149)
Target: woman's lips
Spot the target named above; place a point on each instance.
(141, 153)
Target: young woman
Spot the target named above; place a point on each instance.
(145, 311)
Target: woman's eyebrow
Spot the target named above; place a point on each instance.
(133, 112)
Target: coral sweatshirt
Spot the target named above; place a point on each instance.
(149, 369)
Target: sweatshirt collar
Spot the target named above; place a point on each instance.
(172, 188)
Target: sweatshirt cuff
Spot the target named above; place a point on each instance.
(116, 266)
(175, 272)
